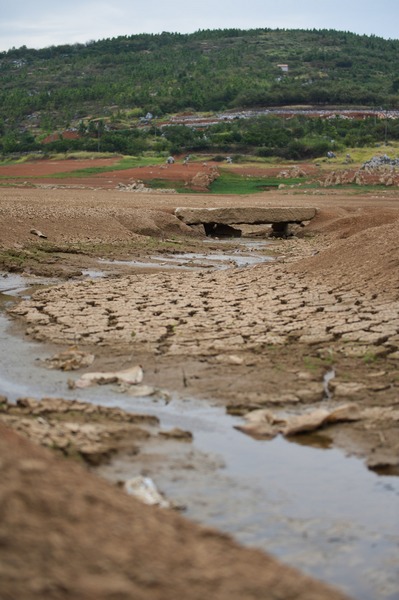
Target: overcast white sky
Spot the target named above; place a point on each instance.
(41, 23)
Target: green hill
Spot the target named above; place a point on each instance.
(118, 80)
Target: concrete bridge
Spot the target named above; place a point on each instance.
(226, 221)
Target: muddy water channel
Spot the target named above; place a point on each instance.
(307, 503)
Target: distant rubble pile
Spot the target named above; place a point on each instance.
(139, 186)
(380, 161)
(379, 170)
(292, 173)
(202, 180)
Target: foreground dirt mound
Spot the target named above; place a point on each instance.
(65, 534)
(80, 219)
(364, 253)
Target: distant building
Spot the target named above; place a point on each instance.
(284, 68)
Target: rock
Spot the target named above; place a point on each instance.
(229, 359)
(203, 180)
(130, 376)
(384, 461)
(70, 360)
(229, 216)
(38, 233)
(264, 424)
(177, 434)
(306, 422)
(144, 489)
(261, 424)
(142, 391)
(346, 389)
(313, 392)
(319, 417)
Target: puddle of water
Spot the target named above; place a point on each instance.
(13, 284)
(194, 260)
(93, 273)
(313, 508)
(237, 259)
(155, 262)
(198, 260)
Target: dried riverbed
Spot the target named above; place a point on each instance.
(280, 345)
(248, 339)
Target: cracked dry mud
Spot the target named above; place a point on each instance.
(286, 329)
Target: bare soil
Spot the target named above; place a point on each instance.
(260, 337)
(40, 172)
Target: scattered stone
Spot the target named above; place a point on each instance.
(313, 392)
(260, 424)
(38, 233)
(292, 173)
(70, 360)
(346, 389)
(145, 490)
(139, 187)
(265, 424)
(142, 391)
(177, 434)
(229, 359)
(92, 435)
(320, 417)
(376, 374)
(378, 161)
(130, 376)
(383, 462)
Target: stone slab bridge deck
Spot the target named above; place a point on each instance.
(222, 220)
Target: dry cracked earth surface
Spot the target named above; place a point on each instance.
(258, 340)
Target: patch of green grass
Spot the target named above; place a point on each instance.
(127, 162)
(16, 260)
(369, 357)
(311, 364)
(234, 183)
(83, 155)
(354, 188)
(360, 155)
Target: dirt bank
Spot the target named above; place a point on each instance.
(67, 534)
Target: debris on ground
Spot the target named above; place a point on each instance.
(79, 430)
(265, 424)
(38, 233)
(131, 376)
(144, 489)
(70, 360)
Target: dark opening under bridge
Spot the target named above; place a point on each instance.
(220, 220)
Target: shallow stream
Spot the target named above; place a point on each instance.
(314, 508)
